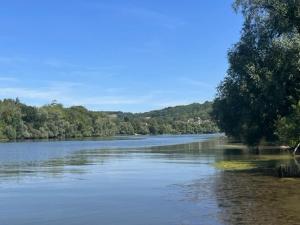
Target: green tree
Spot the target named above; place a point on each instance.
(263, 80)
(126, 128)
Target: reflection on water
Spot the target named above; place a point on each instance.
(137, 181)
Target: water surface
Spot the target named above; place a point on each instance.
(160, 180)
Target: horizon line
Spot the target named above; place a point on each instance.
(55, 102)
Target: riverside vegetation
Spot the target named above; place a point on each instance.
(19, 121)
(259, 99)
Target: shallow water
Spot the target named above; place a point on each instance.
(162, 180)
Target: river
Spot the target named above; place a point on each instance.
(151, 180)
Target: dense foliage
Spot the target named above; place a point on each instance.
(262, 85)
(19, 121)
(189, 119)
(288, 128)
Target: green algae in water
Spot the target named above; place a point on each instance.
(261, 161)
(235, 165)
(275, 157)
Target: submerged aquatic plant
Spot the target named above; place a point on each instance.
(235, 165)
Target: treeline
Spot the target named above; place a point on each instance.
(259, 98)
(19, 121)
(189, 119)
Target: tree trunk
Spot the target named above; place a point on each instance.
(296, 149)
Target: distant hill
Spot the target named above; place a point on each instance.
(185, 119)
(19, 121)
(183, 112)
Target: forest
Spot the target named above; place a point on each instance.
(20, 121)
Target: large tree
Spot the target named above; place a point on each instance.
(263, 79)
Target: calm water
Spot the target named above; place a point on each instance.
(165, 180)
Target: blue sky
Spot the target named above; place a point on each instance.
(130, 55)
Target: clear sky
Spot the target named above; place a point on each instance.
(130, 55)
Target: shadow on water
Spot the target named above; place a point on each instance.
(290, 169)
